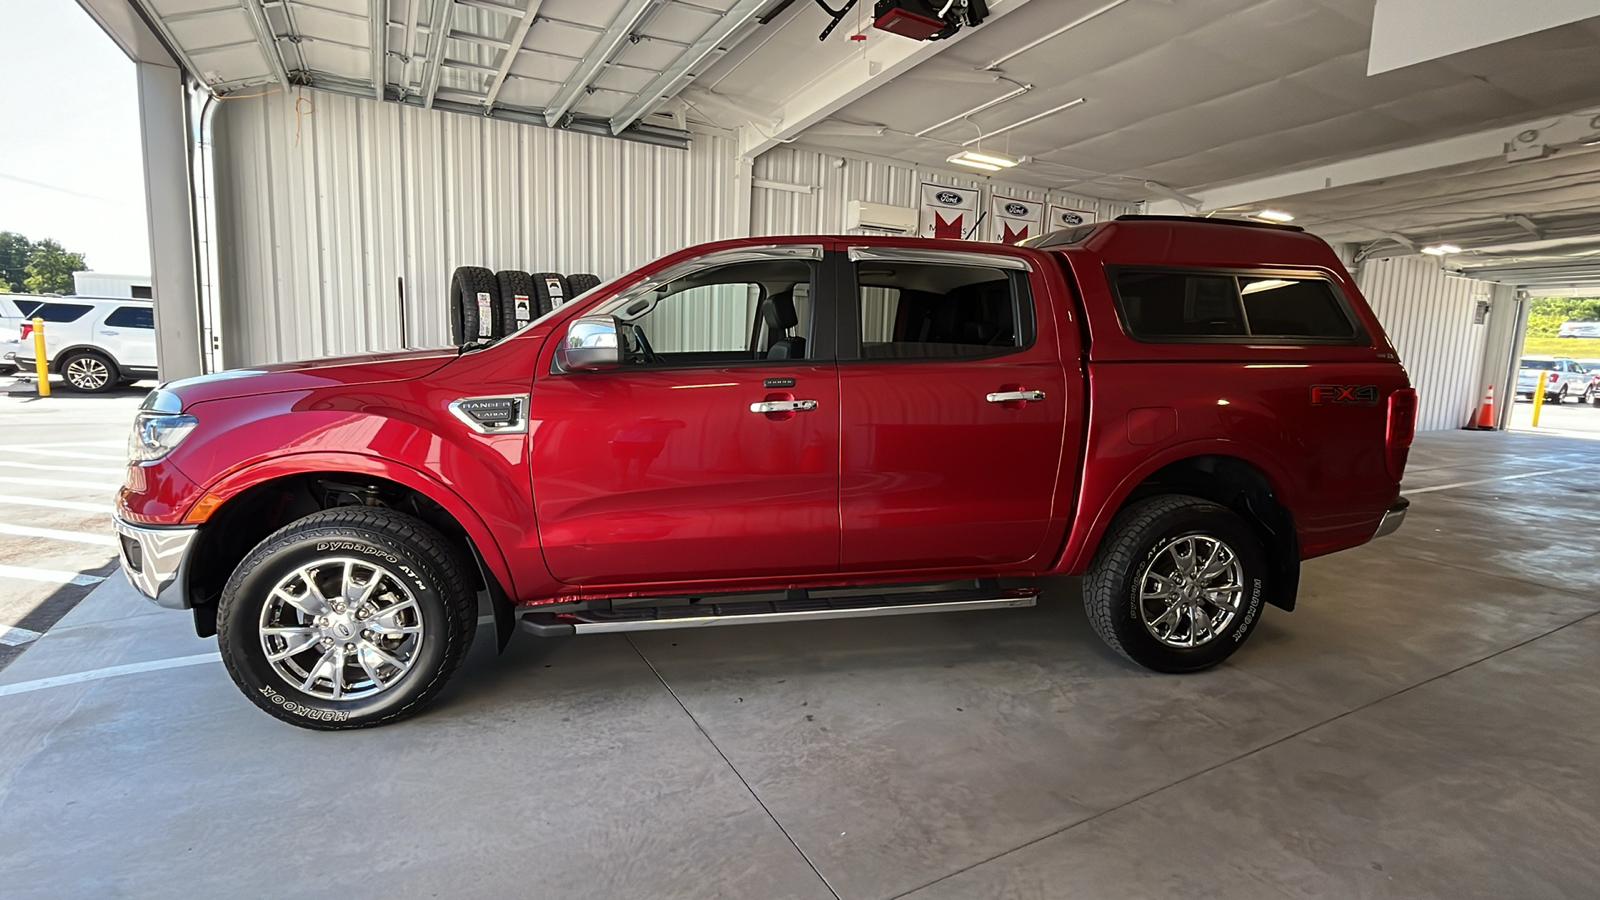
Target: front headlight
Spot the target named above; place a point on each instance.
(156, 433)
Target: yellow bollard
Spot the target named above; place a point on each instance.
(1538, 399)
(40, 366)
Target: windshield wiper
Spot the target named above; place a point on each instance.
(478, 344)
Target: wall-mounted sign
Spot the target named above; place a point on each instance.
(1012, 220)
(1068, 217)
(948, 212)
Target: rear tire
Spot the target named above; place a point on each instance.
(1147, 604)
(88, 372)
(348, 618)
(475, 306)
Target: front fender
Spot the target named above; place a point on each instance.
(399, 432)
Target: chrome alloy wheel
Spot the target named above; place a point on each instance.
(1191, 591)
(87, 373)
(341, 629)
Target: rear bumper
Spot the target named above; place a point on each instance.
(1393, 519)
(156, 560)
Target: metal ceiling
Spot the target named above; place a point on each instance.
(590, 65)
(1195, 93)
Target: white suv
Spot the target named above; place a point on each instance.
(1561, 377)
(94, 345)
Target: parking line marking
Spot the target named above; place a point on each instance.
(16, 637)
(155, 665)
(97, 470)
(58, 534)
(120, 458)
(60, 482)
(54, 576)
(78, 505)
(1461, 484)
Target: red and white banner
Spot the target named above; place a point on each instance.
(1067, 217)
(948, 212)
(1012, 220)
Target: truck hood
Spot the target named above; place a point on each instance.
(337, 371)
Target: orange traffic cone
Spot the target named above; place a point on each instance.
(1486, 411)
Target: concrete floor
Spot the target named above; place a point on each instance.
(1426, 725)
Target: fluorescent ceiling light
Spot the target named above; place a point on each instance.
(1273, 215)
(1441, 249)
(984, 159)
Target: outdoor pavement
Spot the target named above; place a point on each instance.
(61, 461)
(1426, 725)
(1570, 419)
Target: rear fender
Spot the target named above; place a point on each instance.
(1085, 539)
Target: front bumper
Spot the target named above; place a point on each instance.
(1393, 519)
(156, 560)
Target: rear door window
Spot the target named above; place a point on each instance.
(132, 317)
(1210, 306)
(930, 310)
(61, 312)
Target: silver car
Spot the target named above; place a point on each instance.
(1561, 377)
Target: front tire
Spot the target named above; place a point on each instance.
(349, 618)
(1176, 584)
(88, 372)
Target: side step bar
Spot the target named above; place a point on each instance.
(793, 609)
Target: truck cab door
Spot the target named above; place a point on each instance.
(956, 411)
(712, 452)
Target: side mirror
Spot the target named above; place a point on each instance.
(591, 343)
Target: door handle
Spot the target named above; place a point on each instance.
(1015, 396)
(783, 406)
(112, 333)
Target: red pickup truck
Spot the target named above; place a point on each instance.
(1180, 410)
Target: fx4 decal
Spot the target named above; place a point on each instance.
(1357, 394)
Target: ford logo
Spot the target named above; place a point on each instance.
(1068, 218)
(1016, 209)
(948, 198)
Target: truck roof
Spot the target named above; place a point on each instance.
(1196, 241)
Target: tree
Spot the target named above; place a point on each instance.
(50, 268)
(14, 252)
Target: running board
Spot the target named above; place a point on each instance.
(754, 612)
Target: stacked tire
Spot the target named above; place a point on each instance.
(487, 305)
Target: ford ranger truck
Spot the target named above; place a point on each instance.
(788, 428)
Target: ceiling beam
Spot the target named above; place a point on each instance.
(518, 34)
(438, 29)
(268, 39)
(1510, 141)
(380, 47)
(674, 77)
(604, 47)
(858, 69)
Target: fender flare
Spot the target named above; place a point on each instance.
(1077, 551)
(489, 558)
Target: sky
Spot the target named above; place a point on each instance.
(70, 159)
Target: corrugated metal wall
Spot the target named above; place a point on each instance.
(1429, 318)
(836, 180)
(322, 209)
(326, 203)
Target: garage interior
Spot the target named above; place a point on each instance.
(1423, 725)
